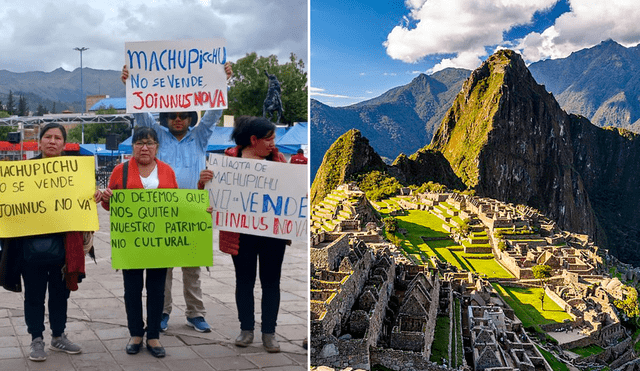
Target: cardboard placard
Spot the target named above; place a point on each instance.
(47, 196)
(175, 76)
(160, 228)
(258, 197)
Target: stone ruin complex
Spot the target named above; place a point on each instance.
(371, 305)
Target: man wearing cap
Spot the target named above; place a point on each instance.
(183, 146)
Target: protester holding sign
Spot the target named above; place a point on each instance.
(255, 139)
(184, 149)
(142, 171)
(54, 260)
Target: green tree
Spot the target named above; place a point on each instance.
(249, 87)
(378, 185)
(465, 228)
(502, 245)
(431, 187)
(629, 306)
(541, 296)
(23, 109)
(542, 272)
(390, 224)
(97, 133)
(11, 104)
(41, 110)
(5, 129)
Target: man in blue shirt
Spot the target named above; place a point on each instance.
(184, 148)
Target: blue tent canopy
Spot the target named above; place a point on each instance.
(294, 139)
(125, 146)
(106, 103)
(100, 150)
(220, 139)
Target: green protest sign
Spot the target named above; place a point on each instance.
(158, 228)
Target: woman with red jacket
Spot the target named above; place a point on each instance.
(255, 138)
(143, 171)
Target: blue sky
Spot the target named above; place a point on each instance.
(360, 49)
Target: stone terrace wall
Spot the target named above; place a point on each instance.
(353, 352)
(340, 305)
(558, 300)
(377, 313)
(324, 236)
(403, 360)
(583, 342)
(329, 257)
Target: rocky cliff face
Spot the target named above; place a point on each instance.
(608, 162)
(423, 166)
(508, 138)
(349, 155)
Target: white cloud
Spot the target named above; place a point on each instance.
(41, 34)
(458, 27)
(319, 92)
(469, 60)
(587, 24)
(389, 74)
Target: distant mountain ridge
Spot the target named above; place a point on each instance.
(59, 86)
(601, 83)
(401, 120)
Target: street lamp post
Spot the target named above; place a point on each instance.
(81, 92)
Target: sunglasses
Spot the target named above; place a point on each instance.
(182, 115)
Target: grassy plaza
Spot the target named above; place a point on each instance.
(526, 304)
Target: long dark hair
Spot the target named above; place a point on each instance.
(246, 126)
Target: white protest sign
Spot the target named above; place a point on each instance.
(259, 197)
(175, 76)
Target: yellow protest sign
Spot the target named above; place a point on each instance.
(47, 196)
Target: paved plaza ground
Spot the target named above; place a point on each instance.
(97, 321)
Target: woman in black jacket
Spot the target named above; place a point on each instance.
(19, 259)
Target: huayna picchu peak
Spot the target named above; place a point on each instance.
(507, 138)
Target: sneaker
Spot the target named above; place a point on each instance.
(199, 324)
(37, 350)
(63, 344)
(245, 338)
(270, 343)
(164, 323)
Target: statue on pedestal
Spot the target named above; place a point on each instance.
(273, 102)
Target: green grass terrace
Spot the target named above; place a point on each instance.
(421, 223)
(587, 351)
(526, 304)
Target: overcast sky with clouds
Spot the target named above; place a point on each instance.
(40, 35)
(360, 49)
